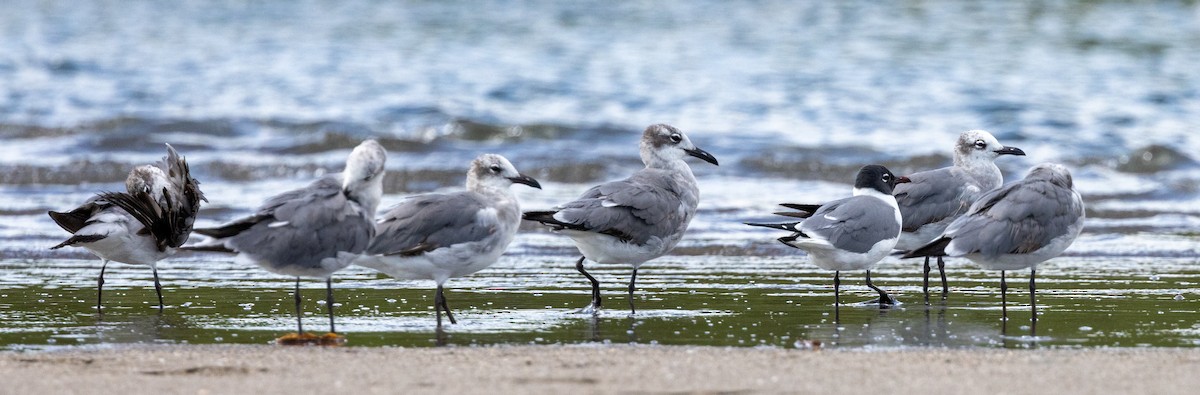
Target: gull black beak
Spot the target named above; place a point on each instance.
(702, 154)
(1010, 151)
(527, 180)
(903, 180)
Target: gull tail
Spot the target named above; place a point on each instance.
(934, 248)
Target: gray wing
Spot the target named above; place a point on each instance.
(1017, 218)
(645, 205)
(932, 196)
(301, 227)
(425, 223)
(853, 224)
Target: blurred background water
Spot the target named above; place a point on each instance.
(792, 97)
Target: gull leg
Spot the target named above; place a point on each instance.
(595, 307)
(837, 283)
(632, 280)
(925, 284)
(884, 299)
(299, 323)
(100, 286)
(329, 302)
(942, 271)
(440, 301)
(158, 289)
(1003, 302)
(1032, 303)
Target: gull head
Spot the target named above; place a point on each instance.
(662, 144)
(876, 178)
(979, 146)
(494, 171)
(148, 179)
(363, 178)
(1055, 173)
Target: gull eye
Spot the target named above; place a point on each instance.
(980, 144)
(495, 169)
(887, 178)
(676, 138)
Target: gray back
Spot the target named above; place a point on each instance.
(1017, 218)
(934, 195)
(304, 226)
(651, 203)
(428, 222)
(853, 224)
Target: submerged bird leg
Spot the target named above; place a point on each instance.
(595, 285)
(299, 323)
(440, 301)
(884, 299)
(100, 286)
(925, 284)
(1032, 303)
(837, 283)
(329, 302)
(632, 280)
(1003, 299)
(942, 271)
(157, 289)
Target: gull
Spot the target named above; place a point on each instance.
(313, 231)
(1016, 226)
(140, 226)
(637, 219)
(853, 233)
(441, 236)
(934, 198)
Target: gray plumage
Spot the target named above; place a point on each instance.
(650, 203)
(312, 231)
(1020, 218)
(427, 222)
(853, 224)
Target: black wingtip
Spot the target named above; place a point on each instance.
(934, 248)
(788, 226)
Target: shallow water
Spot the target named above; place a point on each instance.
(791, 98)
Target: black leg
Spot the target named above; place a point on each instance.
(329, 302)
(595, 285)
(837, 284)
(925, 284)
(632, 280)
(158, 289)
(942, 271)
(1004, 300)
(884, 299)
(1032, 303)
(440, 304)
(299, 324)
(100, 286)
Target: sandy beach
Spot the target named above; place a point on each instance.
(610, 369)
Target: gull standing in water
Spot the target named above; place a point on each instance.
(1015, 227)
(636, 219)
(140, 226)
(312, 231)
(441, 236)
(934, 198)
(853, 233)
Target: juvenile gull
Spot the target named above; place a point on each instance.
(140, 226)
(1015, 227)
(853, 233)
(934, 198)
(312, 231)
(636, 219)
(441, 236)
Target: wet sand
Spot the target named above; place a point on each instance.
(608, 369)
